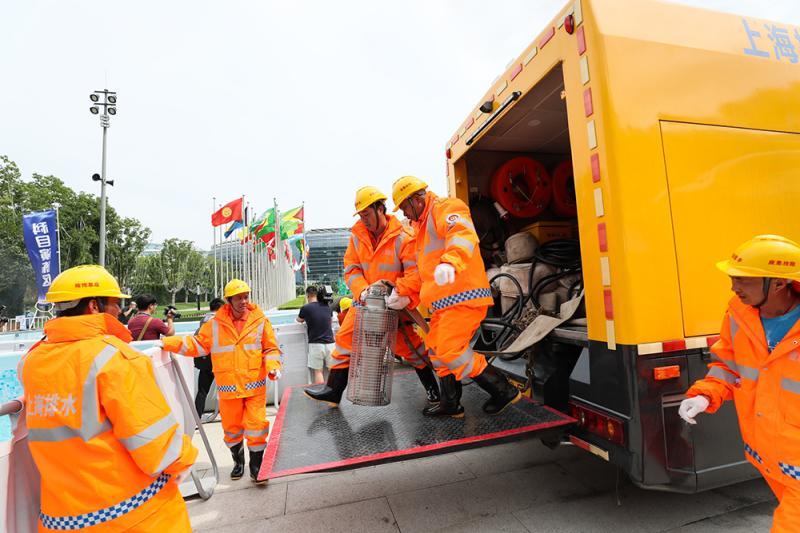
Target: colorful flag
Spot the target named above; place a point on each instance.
(227, 213)
(236, 224)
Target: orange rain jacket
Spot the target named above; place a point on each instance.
(445, 234)
(765, 387)
(99, 428)
(392, 259)
(241, 361)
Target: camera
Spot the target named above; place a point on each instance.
(171, 310)
(325, 294)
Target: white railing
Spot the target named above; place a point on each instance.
(23, 324)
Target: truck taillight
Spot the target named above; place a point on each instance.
(602, 425)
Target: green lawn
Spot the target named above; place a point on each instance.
(297, 303)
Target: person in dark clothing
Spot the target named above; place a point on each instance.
(317, 315)
(128, 313)
(203, 364)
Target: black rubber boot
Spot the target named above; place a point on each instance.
(450, 402)
(255, 466)
(501, 391)
(428, 380)
(238, 461)
(331, 392)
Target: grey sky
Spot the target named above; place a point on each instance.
(297, 100)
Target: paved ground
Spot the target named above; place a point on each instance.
(518, 487)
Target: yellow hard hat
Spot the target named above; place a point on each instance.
(234, 287)
(366, 196)
(345, 304)
(83, 282)
(405, 187)
(764, 256)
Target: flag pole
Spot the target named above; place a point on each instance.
(214, 247)
(303, 262)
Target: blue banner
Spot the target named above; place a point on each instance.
(41, 239)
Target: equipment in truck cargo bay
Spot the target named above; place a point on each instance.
(309, 436)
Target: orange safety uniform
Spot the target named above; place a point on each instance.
(765, 387)
(445, 234)
(390, 259)
(241, 360)
(101, 432)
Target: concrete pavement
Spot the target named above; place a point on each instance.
(517, 487)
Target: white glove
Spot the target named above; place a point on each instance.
(691, 407)
(275, 374)
(395, 301)
(158, 344)
(363, 295)
(444, 274)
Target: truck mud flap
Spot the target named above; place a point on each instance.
(309, 436)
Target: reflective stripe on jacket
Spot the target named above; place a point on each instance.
(392, 259)
(100, 430)
(764, 386)
(445, 234)
(240, 361)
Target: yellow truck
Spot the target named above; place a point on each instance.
(682, 131)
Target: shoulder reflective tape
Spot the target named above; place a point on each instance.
(790, 385)
(148, 435)
(462, 243)
(91, 426)
(435, 243)
(734, 327)
(109, 513)
(721, 374)
(215, 345)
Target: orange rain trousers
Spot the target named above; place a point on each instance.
(344, 343)
(449, 339)
(245, 418)
(787, 515)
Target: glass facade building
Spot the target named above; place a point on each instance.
(326, 249)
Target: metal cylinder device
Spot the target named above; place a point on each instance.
(372, 355)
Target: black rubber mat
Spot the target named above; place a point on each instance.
(310, 436)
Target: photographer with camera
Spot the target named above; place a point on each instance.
(144, 326)
(317, 315)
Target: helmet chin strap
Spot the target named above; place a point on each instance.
(765, 291)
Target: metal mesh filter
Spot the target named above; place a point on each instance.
(372, 357)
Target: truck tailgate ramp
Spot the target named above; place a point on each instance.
(310, 436)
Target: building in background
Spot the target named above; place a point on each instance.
(326, 249)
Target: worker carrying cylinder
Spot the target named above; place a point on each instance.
(380, 249)
(451, 280)
(102, 435)
(244, 353)
(756, 362)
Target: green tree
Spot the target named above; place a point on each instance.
(126, 240)
(174, 259)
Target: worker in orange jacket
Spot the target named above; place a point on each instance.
(380, 249)
(103, 437)
(244, 353)
(756, 362)
(451, 280)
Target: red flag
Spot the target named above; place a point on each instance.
(228, 213)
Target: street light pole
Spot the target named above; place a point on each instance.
(109, 105)
(105, 123)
